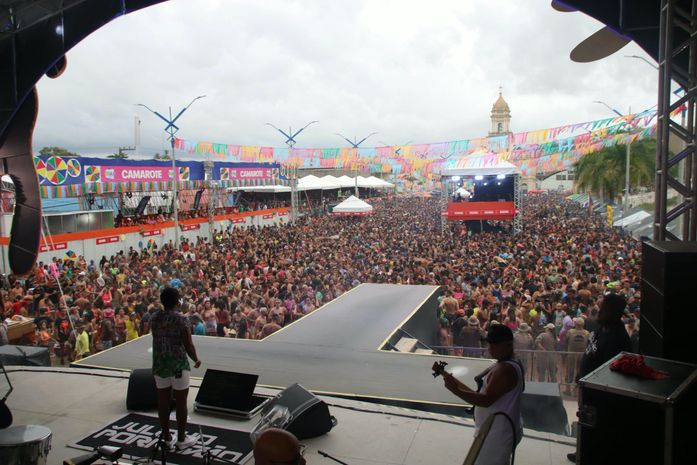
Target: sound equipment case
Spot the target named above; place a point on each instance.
(629, 420)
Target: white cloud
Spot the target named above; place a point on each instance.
(412, 70)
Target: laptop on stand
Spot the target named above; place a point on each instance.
(230, 394)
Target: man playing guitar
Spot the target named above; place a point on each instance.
(500, 387)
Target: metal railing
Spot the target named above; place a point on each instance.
(540, 365)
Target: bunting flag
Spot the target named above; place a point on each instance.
(543, 150)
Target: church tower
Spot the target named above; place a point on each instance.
(500, 117)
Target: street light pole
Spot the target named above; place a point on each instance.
(290, 142)
(628, 157)
(172, 129)
(626, 176)
(643, 59)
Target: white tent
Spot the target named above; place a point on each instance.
(329, 182)
(309, 183)
(347, 181)
(632, 219)
(329, 179)
(502, 167)
(379, 183)
(353, 206)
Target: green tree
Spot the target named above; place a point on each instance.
(603, 172)
(166, 156)
(60, 151)
(120, 155)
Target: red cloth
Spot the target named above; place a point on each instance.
(635, 365)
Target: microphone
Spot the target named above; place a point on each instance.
(110, 453)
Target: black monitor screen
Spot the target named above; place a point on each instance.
(227, 389)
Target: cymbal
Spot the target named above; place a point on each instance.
(603, 43)
(559, 6)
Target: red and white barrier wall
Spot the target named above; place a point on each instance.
(106, 242)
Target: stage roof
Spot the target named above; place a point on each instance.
(502, 167)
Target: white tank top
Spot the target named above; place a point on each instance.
(509, 403)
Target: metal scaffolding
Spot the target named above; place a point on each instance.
(518, 203)
(444, 196)
(677, 48)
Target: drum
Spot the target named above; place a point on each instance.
(25, 445)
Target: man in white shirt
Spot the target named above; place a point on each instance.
(502, 386)
(462, 194)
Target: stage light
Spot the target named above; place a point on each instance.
(486, 183)
(479, 177)
(498, 183)
(456, 178)
(500, 176)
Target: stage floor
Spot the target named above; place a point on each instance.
(332, 351)
(76, 402)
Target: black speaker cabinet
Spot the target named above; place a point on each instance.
(142, 392)
(669, 275)
(542, 408)
(309, 416)
(140, 209)
(625, 420)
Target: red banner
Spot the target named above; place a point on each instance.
(154, 232)
(107, 240)
(237, 220)
(481, 211)
(190, 227)
(52, 247)
(268, 216)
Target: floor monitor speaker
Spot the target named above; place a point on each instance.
(142, 392)
(542, 408)
(304, 414)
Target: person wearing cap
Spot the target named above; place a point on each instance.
(576, 342)
(546, 343)
(471, 337)
(458, 325)
(523, 343)
(500, 391)
(107, 329)
(171, 343)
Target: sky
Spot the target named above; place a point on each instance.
(410, 70)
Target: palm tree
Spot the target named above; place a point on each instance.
(603, 172)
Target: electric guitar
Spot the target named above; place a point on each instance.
(439, 368)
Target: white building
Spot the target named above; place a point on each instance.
(561, 181)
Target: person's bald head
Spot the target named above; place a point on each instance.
(277, 447)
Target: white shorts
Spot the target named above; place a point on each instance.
(178, 384)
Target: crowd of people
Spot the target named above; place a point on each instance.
(544, 283)
(128, 217)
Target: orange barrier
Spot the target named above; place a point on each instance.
(76, 236)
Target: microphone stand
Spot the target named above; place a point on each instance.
(208, 458)
(162, 446)
(324, 454)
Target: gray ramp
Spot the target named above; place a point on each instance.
(334, 350)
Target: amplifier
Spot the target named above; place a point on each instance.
(628, 420)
